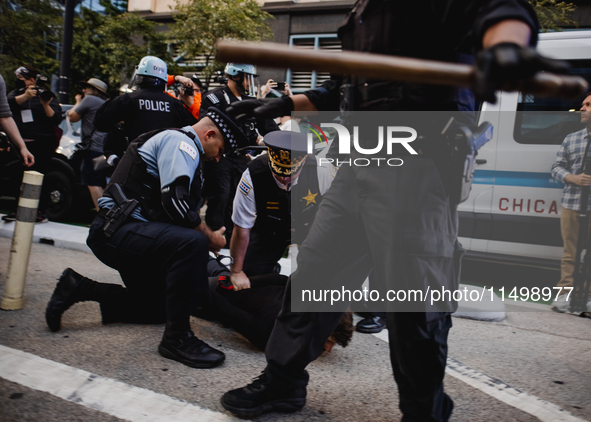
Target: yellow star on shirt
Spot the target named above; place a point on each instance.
(311, 197)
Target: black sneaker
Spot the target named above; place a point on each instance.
(371, 325)
(263, 396)
(9, 217)
(191, 351)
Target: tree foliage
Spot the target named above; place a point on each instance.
(200, 23)
(29, 31)
(554, 15)
(109, 47)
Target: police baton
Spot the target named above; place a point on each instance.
(383, 67)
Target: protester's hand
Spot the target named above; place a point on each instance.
(262, 109)
(579, 179)
(504, 65)
(287, 90)
(217, 240)
(28, 158)
(239, 280)
(184, 81)
(268, 87)
(187, 100)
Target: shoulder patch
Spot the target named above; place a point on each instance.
(213, 98)
(244, 187)
(184, 146)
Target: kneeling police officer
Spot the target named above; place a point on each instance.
(148, 228)
(275, 204)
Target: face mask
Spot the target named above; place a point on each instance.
(285, 187)
(20, 84)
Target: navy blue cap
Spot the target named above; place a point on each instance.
(233, 137)
(287, 151)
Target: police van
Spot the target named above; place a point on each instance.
(513, 212)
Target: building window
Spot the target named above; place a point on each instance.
(301, 81)
(547, 121)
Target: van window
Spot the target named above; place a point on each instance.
(547, 121)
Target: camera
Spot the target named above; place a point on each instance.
(220, 78)
(41, 86)
(189, 91)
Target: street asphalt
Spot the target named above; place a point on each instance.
(532, 365)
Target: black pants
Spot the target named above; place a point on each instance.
(399, 222)
(221, 180)
(263, 253)
(163, 267)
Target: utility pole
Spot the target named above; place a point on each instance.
(64, 86)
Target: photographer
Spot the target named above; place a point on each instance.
(190, 92)
(8, 125)
(37, 114)
(94, 94)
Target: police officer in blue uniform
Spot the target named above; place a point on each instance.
(147, 108)
(148, 228)
(222, 178)
(399, 221)
(275, 204)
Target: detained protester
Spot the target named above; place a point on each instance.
(252, 312)
(398, 221)
(148, 228)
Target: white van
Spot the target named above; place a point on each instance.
(513, 212)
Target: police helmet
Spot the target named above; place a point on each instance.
(244, 71)
(233, 69)
(152, 66)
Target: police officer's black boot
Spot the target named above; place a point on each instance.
(264, 395)
(73, 288)
(185, 348)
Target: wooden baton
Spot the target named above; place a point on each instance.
(383, 67)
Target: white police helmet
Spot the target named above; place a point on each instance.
(245, 71)
(152, 66)
(233, 69)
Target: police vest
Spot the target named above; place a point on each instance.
(133, 177)
(150, 110)
(277, 216)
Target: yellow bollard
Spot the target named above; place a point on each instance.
(22, 238)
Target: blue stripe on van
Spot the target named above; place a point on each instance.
(516, 178)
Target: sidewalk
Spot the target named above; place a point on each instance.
(74, 237)
(50, 233)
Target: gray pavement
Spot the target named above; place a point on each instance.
(533, 365)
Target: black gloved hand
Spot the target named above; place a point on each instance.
(261, 109)
(503, 65)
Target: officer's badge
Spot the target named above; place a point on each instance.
(310, 198)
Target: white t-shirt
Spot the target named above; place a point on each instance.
(245, 210)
